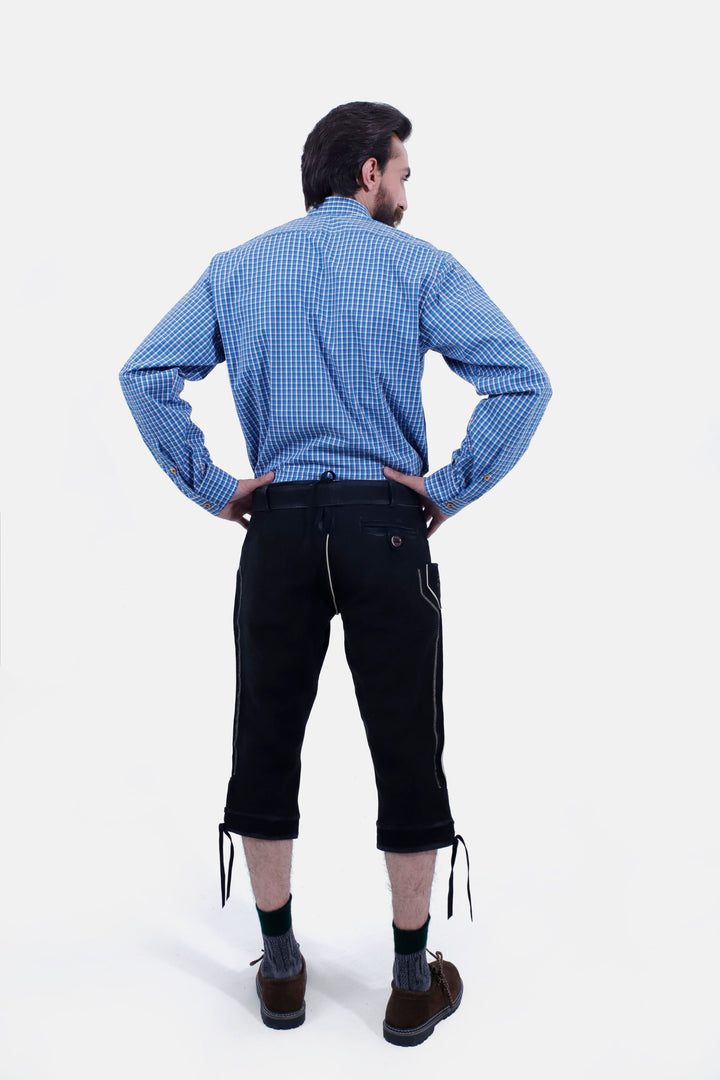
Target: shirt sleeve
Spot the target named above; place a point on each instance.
(185, 344)
(460, 321)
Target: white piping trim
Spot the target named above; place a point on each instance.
(327, 561)
(427, 599)
(239, 680)
(427, 581)
(435, 730)
(435, 662)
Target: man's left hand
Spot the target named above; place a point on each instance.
(240, 504)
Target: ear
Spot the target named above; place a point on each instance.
(370, 174)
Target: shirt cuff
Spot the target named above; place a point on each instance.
(215, 491)
(440, 486)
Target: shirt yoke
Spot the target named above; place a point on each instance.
(374, 237)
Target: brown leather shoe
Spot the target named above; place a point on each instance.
(282, 1001)
(411, 1015)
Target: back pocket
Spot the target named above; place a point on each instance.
(395, 535)
(388, 528)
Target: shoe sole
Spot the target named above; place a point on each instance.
(279, 1021)
(417, 1035)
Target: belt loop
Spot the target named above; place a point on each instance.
(391, 485)
(225, 894)
(260, 498)
(320, 486)
(452, 871)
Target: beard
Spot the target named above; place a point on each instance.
(386, 210)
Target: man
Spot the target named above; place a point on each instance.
(324, 323)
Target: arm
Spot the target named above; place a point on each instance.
(185, 344)
(460, 321)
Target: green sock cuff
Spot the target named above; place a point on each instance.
(274, 923)
(410, 941)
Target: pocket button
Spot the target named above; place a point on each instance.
(396, 541)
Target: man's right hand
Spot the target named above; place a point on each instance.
(240, 504)
(434, 516)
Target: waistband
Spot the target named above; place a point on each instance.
(294, 494)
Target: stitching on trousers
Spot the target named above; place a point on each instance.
(327, 561)
(435, 661)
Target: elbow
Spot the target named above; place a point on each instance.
(541, 388)
(546, 391)
(131, 374)
(128, 383)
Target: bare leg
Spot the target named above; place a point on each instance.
(269, 865)
(411, 878)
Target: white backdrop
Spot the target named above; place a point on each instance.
(565, 153)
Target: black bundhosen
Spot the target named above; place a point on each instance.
(357, 548)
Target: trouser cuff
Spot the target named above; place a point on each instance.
(261, 828)
(407, 840)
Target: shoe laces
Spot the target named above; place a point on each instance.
(439, 973)
(254, 962)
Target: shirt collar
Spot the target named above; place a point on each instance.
(340, 204)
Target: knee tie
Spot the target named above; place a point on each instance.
(452, 871)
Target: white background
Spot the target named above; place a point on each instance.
(564, 152)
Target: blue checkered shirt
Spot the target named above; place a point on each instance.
(324, 323)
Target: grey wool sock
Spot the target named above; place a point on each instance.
(410, 969)
(282, 957)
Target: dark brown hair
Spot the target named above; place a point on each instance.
(339, 145)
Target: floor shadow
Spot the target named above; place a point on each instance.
(331, 983)
(178, 952)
